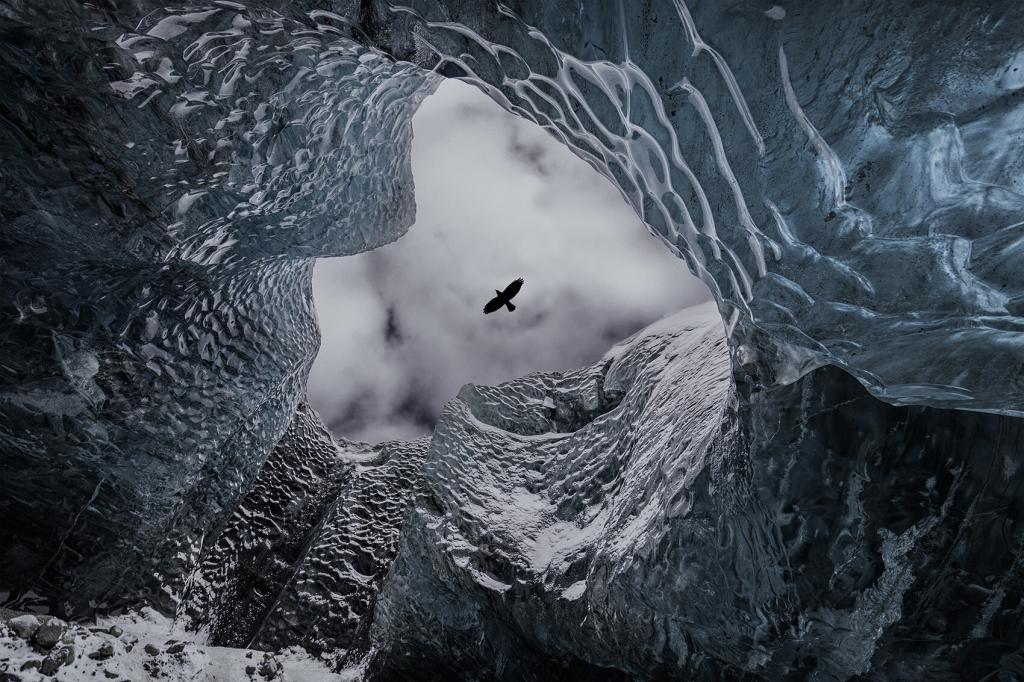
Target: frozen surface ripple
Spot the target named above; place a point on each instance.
(683, 530)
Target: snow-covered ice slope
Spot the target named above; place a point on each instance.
(644, 519)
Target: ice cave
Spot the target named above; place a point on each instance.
(816, 476)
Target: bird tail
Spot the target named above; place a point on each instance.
(510, 306)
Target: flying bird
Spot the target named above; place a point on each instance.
(504, 298)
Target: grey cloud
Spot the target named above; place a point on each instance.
(530, 153)
(497, 198)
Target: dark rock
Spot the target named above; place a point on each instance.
(24, 626)
(30, 665)
(58, 657)
(50, 632)
(105, 651)
(151, 650)
(250, 670)
(113, 631)
(176, 648)
(270, 668)
(109, 675)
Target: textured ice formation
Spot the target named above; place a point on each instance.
(302, 558)
(845, 177)
(850, 195)
(640, 519)
(168, 174)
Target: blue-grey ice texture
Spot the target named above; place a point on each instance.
(818, 478)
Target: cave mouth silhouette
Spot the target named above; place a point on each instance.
(497, 198)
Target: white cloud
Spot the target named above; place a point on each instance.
(497, 198)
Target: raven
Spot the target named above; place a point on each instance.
(504, 298)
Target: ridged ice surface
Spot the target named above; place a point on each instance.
(168, 174)
(536, 489)
(853, 192)
(302, 558)
(845, 177)
(252, 559)
(328, 606)
(630, 521)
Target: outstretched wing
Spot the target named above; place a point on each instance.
(494, 304)
(513, 289)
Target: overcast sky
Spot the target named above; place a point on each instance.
(497, 198)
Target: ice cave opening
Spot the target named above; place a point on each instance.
(829, 486)
(497, 197)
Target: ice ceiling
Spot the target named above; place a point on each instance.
(845, 177)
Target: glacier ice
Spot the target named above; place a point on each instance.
(170, 174)
(831, 488)
(302, 557)
(640, 519)
(850, 199)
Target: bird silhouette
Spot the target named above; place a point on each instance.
(504, 298)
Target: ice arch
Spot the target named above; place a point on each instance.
(837, 188)
(846, 186)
